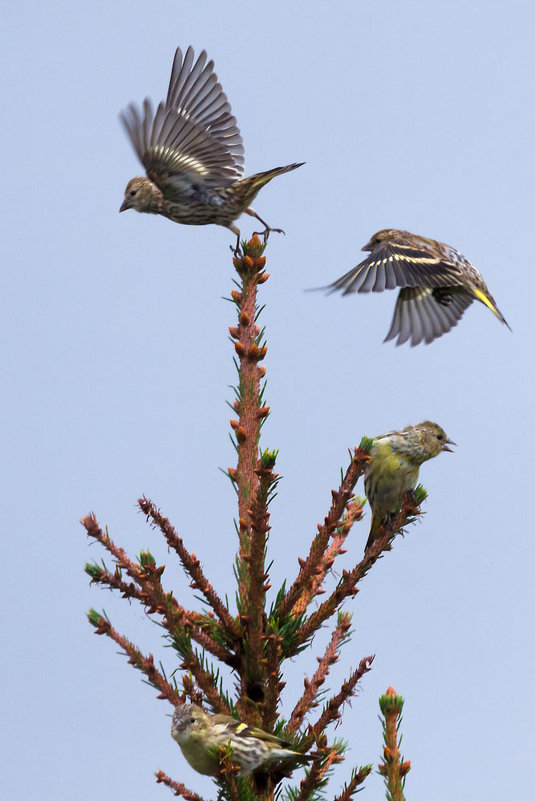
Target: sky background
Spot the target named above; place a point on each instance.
(116, 365)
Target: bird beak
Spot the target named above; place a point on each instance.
(125, 205)
(449, 442)
(367, 246)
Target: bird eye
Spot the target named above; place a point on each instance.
(439, 436)
(133, 192)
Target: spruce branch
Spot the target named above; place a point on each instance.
(316, 777)
(143, 663)
(191, 565)
(353, 786)
(313, 568)
(347, 586)
(394, 769)
(331, 711)
(177, 620)
(354, 510)
(177, 787)
(253, 477)
(313, 686)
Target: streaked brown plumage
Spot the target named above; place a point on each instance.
(201, 736)
(192, 151)
(437, 284)
(394, 466)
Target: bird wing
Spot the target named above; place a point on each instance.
(419, 316)
(192, 140)
(397, 264)
(238, 729)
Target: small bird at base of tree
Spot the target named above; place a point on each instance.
(437, 284)
(394, 466)
(192, 151)
(201, 736)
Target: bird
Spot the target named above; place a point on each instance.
(201, 735)
(437, 284)
(394, 466)
(192, 152)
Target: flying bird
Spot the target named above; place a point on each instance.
(394, 466)
(437, 284)
(200, 736)
(192, 151)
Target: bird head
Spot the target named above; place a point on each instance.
(385, 235)
(140, 194)
(433, 438)
(184, 717)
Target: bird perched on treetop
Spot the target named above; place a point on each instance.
(192, 152)
(394, 465)
(200, 736)
(437, 284)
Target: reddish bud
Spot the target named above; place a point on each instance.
(234, 424)
(233, 331)
(252, 354)
(241, 434)
(263, 277)
(244, 318)
(236, 296)
(240, 349)
(262, 372)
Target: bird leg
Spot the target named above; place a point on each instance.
(237, 249)
(267, 228)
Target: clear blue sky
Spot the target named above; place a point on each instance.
(116, 366)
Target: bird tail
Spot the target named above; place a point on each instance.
(375, 529)
(295, 756)
(250, 186)
(488, 301)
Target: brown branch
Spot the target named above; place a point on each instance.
(247, 429)
(100, 575)
(177, 620)
(316, 775)
(143, 663)
(253, 478)
(351, 787)
(190, 662)
(347, 584)
(134, 570)
(331, 711)
(393, 768)
(353, 513)
(312, 565)
(255, 670)
(313, 686)
(274, 683)
(177, 787)
(191, 565)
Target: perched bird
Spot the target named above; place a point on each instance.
(437, 284)
(192, 152)
(200, 736)
(395, 460)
